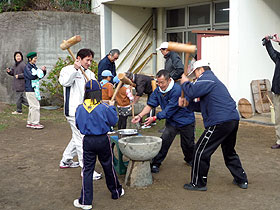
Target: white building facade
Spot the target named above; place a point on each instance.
(238, 57)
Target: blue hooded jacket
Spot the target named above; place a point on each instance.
(174, 114)
(28, 76)
(216, 104)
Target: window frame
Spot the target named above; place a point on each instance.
(165, 18)
(201, 25)
(187, 28)
(214, 14)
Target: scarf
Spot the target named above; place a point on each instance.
(89, 105)
(103, 82)
(170, 86)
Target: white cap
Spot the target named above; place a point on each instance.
(196, 65)
(163, 45)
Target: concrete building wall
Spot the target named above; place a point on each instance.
(250, 21)
(43, 32)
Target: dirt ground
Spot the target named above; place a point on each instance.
(31, 179)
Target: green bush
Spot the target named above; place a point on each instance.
(60, 5)
(51, 86)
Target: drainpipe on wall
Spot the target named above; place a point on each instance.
(154, 47)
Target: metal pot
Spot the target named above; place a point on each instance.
(127, 132)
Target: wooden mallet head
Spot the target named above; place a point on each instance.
(125, 80)
(187, 48)
(181, 47)
(70, 42)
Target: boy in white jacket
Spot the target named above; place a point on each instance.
(73, 82)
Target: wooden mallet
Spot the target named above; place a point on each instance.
(125, 80)
(187, 48)
(66, 46)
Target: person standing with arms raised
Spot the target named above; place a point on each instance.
(32, 73)
(275, 57)
(17, 71)
(73, 82)
(221, 120)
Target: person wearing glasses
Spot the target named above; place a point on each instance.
(108, 63)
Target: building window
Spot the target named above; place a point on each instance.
(180, 22)
(199, 15)
(175, 17)
(175, 37)
(191, 37)
(222, 12)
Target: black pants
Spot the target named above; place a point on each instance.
(98, 146)
(169, 134)
(122, 122)
(222, 134)
(21, 99)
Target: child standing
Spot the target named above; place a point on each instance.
(107, 90)
(124, 97)
(94, 120)
(32, 73)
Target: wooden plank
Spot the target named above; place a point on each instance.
(256, 96)
(260, 90)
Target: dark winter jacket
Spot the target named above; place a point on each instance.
(174, 65)
(28, 76)
(18, 83)
(216, 104)
(143, 84)
(106, 64)
(275, 56)
(174, 114)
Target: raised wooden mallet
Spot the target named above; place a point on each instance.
(69, 43)
(187, 48)
(125, 80)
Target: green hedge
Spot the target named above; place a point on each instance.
(51, 86)
(55, 5)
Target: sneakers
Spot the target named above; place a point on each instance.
(29, 125)
(122, 194)
(95, 176)
(193, 187)
(275, 146)
(77, 204)
(38, 126)
(16, 112)
(35, 126)
(145, 126)
(243, 185)
(155, 169)
(68, 164)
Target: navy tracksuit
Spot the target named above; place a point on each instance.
(94, 121)
(221, 121)
(178, 120)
